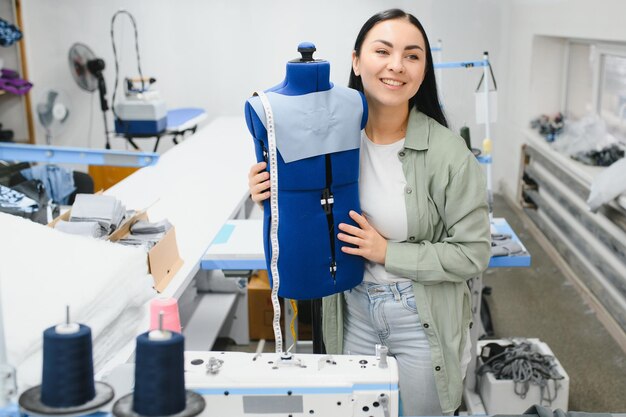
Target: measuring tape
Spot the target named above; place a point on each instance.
(273, 163)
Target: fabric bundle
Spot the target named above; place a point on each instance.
(9, 33)
(502, 244)
(106, 211)
(11, 82)
(14, 200)
(91, 229)
(146, 234)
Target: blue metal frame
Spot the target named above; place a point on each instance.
(62, 154)
(242, 263)
(348, 389)
(461, 64)
(508, 261)
(484, 159)
(232, 264)
(11, 410)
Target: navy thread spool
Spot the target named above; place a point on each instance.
(159, 374)
(67, 376)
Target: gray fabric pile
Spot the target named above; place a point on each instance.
(146, 234)
(91, 229)
(12, 199)
(502, 244)
(94, 215)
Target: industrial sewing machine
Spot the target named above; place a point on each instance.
(239, 384)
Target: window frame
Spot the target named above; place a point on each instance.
(598, 51)
(601, 51)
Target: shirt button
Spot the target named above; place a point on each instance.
(437, 368)
(471, 324)
(412, 238)
(409, 190)
(426, 326)
(401, 154)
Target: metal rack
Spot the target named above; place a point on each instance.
(19, 54)
(62, 154)
(485, 159)
(553, 192)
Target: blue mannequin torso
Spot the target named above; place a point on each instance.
(307, 233)
(302, 78)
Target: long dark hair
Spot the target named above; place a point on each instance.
(426, 99)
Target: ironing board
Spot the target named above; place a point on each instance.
(239, 246)
(179, 122)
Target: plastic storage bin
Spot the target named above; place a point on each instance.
(499, 396)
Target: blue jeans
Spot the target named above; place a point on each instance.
(386, 314)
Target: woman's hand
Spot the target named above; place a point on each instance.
(369, 243)
(259, 183)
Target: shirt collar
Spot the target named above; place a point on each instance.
(417, 131)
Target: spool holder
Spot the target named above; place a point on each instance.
(194, 404)
(30, 402)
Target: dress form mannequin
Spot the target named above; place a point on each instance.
(305, 75)
(311, 262)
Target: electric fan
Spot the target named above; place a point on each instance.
(87, 70)
(53, 110)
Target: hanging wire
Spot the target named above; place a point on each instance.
(132, 19)
(493, 77)
(522, 364)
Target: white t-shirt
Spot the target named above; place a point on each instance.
(381, 193)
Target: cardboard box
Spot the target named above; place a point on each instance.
(499, 396)
(163, 258)
(260, 310)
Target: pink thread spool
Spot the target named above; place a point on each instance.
(171, 318)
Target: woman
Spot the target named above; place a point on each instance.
(424, 229)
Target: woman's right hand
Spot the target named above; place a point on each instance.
(259, 183)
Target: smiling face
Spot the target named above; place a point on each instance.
(391, 63)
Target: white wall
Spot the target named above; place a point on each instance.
(600, 19)
(467, 29)
(210, 54)
(214, 54)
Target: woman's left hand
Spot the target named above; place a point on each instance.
(369, 243)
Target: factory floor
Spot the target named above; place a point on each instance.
(540, 302)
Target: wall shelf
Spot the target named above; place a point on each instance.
(15, 110)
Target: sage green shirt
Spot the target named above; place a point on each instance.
(448, 243)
